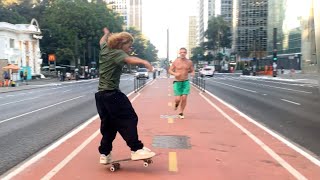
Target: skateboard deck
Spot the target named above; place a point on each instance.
(115, 165)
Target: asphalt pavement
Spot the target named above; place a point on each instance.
(289, 107)
(31, 119)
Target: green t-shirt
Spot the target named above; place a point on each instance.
(111, 63)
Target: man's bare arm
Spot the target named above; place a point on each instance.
(172, 68)
(135, 60)
(192, 69)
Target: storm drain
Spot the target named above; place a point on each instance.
(171, 142)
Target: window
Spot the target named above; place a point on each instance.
(11, 43)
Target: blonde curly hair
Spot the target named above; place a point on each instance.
(117, 40)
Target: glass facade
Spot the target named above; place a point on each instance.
(295, 40)
(317, 30)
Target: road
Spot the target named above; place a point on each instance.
(290, 108)
(32, 119)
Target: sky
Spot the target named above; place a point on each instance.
(159, 15)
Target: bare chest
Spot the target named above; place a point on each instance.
(182, 65)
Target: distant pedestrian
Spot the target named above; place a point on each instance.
(180, 69)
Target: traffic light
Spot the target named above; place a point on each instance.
(275, 56)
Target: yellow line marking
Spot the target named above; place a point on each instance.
(170, 104)
(170, 120)
(173, 163)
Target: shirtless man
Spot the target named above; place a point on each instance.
(180, 69)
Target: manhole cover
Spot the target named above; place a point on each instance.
(171, 142)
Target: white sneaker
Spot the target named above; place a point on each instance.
(105, 159)
(181, 116)
(143, 153)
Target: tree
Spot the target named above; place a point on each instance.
(197, 54)
(11, 16)
(218, 34)
(76, 25)
(143, 48)
(151, 52)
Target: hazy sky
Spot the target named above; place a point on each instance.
(158, 15)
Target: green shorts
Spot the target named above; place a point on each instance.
(181, 88)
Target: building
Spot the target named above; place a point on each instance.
(297, 34)
(129, 10)
(226, 10)
(249, 27)
(20, 46)
(206, 9)
(192, 35)
(317, 31)
(121, 7)
(135, 14)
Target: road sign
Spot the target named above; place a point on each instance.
(52, 57)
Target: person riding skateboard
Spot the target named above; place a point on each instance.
(114, 107)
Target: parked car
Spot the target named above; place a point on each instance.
(246, 71)
(142, 73)
(207, 71)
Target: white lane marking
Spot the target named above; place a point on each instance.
(18, 101)
(24, 165)
(65, 161)
(266, 148)
(74, 153)
(10, 96)
(235, 87)
(307, 92)
(27, 163)
(15, 117)
(291, 102)
(272, 133)
(66, 91)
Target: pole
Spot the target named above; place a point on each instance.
(275, 59)
(168, 44)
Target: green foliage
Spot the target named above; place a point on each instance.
(72, 29)
(218, 34)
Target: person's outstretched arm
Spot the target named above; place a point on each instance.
(136, 60)
(105, 36)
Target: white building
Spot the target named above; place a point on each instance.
(206, 9)
(20, 46)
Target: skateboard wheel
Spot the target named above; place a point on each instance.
(145, 164)
(112, 169)
(117, 166)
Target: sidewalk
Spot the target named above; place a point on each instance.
(306, 78)
(212, 142)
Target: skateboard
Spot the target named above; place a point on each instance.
(115, 165)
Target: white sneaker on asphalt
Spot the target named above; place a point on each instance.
(143, 153)
(105, 159)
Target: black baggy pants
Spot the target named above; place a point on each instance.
(117, 115)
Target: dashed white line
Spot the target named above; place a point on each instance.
(307, 92)
(236, 87)
(15, 117)
(18, 101)
(291, 102)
